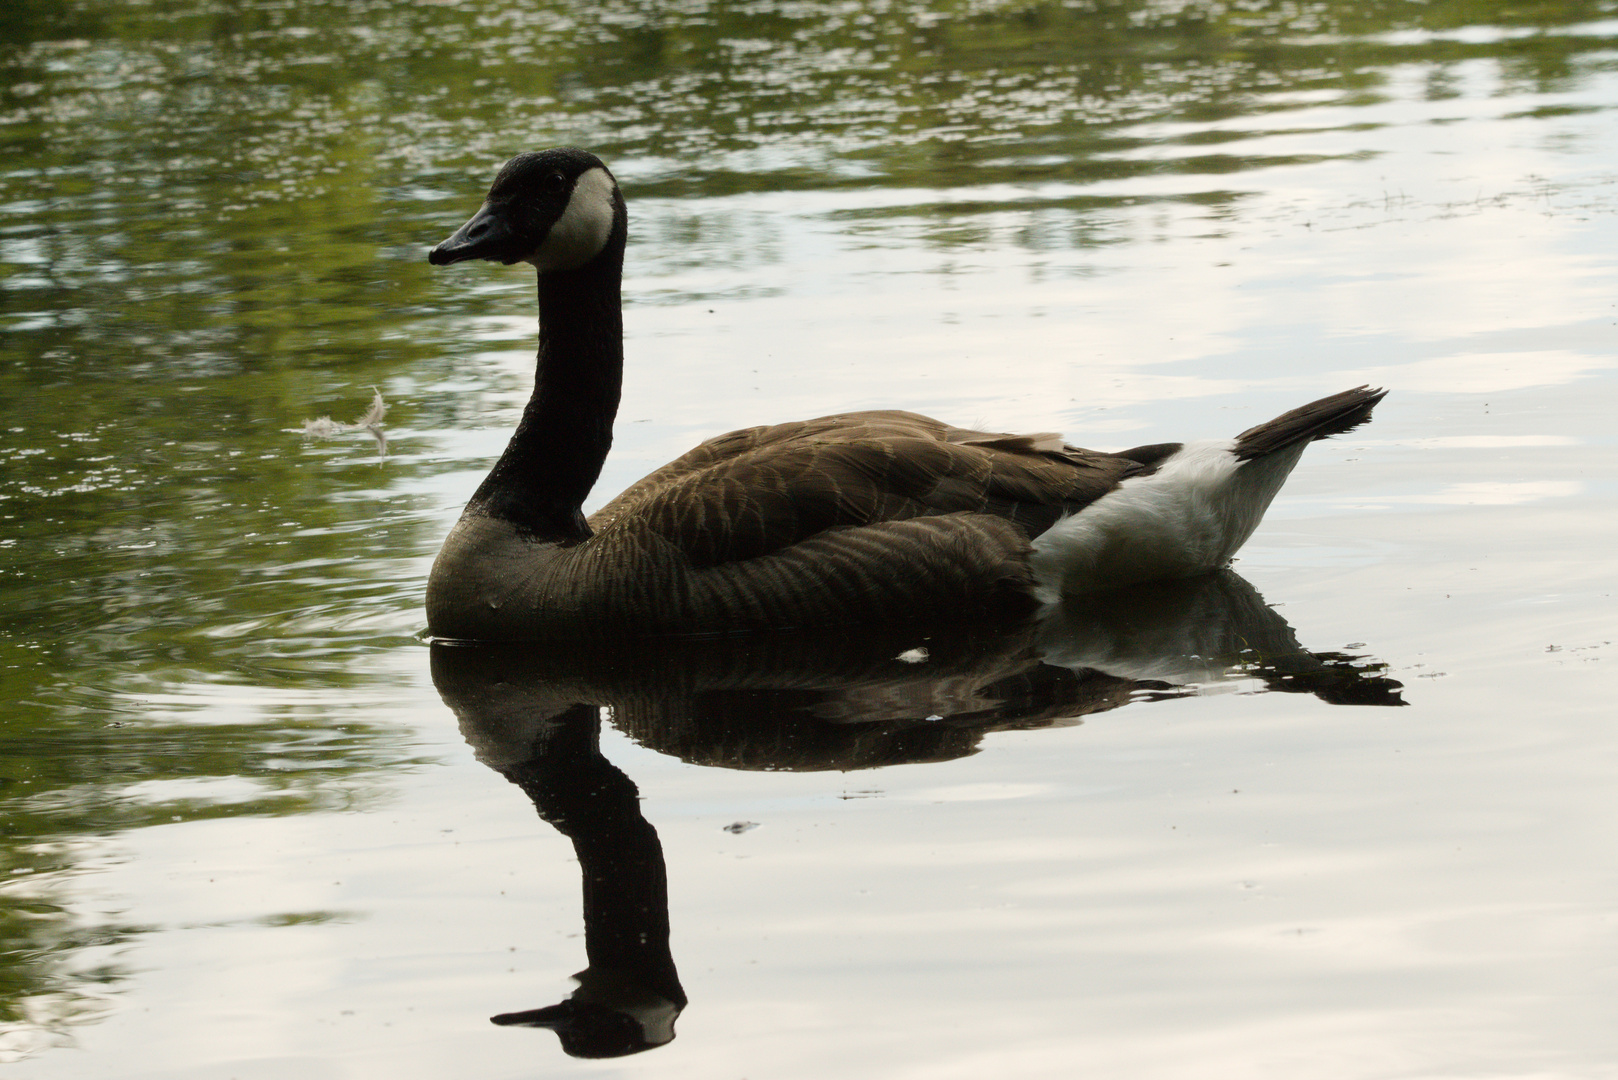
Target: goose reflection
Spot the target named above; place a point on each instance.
(817, 701)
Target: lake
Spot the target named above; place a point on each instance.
(1344, 812)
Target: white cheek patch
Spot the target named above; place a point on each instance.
(581, 232)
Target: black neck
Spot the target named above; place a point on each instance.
(555, 456)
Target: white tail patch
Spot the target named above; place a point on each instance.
(582, 231)
(1188, 517)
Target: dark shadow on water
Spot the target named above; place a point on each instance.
(629, 994)
(849, 699)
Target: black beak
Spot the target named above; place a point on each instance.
(554, 1017)
(487, 236)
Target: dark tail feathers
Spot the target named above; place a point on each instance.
(1316, 420)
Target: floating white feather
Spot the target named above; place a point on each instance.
(326, 428)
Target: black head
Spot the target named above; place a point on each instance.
(557, 209)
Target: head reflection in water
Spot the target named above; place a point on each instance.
(605, 1017)
(629, 996)
(824, 701)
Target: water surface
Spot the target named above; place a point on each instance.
(244, 835)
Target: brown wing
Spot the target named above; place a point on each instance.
(761, 490)
(735, 444)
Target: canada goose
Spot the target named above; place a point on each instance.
(844, 519)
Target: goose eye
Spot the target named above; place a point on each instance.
(555, 183)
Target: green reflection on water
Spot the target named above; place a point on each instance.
(211, 222)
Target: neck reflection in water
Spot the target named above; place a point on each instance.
(836, 700)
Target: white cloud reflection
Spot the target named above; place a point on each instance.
(1494, 493)
(1486, 372)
